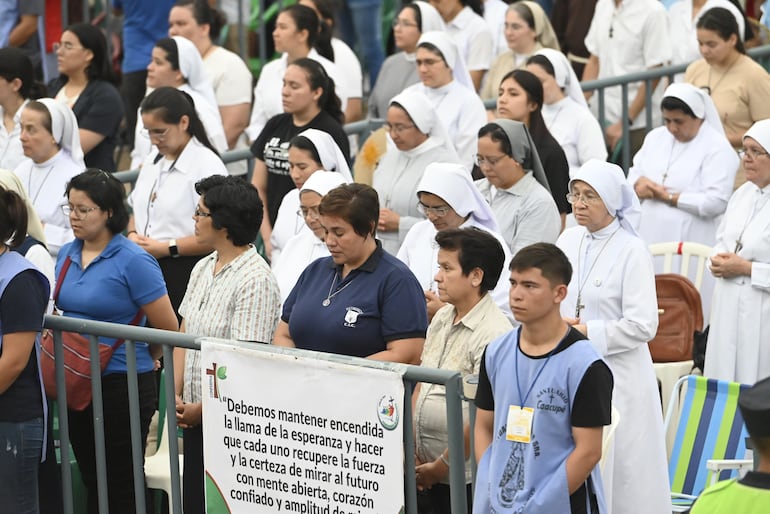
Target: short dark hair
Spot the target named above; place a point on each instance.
(357, 204)
(476, 248)
(722, 21)
(13, 218)
(92, 38)
(546, 257)
(672, 103)
(105, 191)
(15, 64)
(234, 205)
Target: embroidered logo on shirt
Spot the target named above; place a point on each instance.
(351, 316)
(553, 400)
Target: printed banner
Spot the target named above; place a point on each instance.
(292, 434)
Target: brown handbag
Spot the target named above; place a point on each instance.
(680, 315)
(77, 358)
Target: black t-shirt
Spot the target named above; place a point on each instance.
(592, 406)
(556, 170)
(99, 108)
(21, 310)
(272, 147)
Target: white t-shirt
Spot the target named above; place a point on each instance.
(494, 15)
(577, 132)
(346, 60)
(11, 152)
(630, 38)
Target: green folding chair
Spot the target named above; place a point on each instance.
(710, 427)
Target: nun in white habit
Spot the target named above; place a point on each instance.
(739, 339)
(50, 164)
(612, 300)
(448, 198)
(416, 138)
(446, 82)
(308, 146)
(565, 110)
(516, 186)
(307, 245)
(193, 82)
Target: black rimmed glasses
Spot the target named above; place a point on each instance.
(200, 214)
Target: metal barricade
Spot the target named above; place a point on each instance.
(169, 340)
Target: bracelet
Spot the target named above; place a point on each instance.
(671, 199)
(444, 459)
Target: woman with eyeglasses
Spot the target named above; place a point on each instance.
(51, 142)
(417, 138)
(359, 301)
(398, 70)
(737, 348)
(176, 63)
(737, 84)
(23, 299)
(309, 101)
(309, 152)
(611, 299)
(87, 86)
(447, 197)
(527, 30)
(448, 86)
(232, 295)
(684, 174)
(515, 185)
(307, 244)
(164, 197)
(17, 75)
(105, 277)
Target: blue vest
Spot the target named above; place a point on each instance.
(11, 264)
(531, 477)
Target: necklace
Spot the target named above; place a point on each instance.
(671, 159)
(710, 89)
(759, 204)
(40, 187)
(579, 305)
(329, 295)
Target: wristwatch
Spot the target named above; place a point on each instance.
(173, 249)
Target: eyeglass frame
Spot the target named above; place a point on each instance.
(439, 212)
(397, 128)
(198, 213)
(304, 212)
(481, 160)
(155, 133)
(572, 199)
(81, 213)
(750, 152)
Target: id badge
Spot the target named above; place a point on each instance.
(519, 426)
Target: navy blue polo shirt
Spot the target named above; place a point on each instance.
(379, 302)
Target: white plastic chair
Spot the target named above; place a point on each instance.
(157, 468)
(669, 372)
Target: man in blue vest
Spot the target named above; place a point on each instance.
(544, 396)
(750, 494)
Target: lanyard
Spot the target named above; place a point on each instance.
(516, 367)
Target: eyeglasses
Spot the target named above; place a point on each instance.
(427, 62)
(587, 199)
(397, 128)
(438, 212)
(481, 160)
(200, 214)
(78, 212)
(750, 152)
(403, 23)
(66, 45)
(157, 134)
(311, 212)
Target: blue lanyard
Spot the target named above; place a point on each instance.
(516, 366)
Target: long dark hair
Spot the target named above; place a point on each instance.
(317, 78)
(170, 104)
(534, 89)
(476, 5)
(722, 21)
(14, 64)
(205, 15)
(304, 18)
(92, 38)
(323, 44)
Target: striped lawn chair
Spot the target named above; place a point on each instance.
(710, 426)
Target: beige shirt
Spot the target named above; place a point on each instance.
(456, 347)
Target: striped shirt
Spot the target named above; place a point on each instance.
(241, 302)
